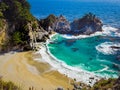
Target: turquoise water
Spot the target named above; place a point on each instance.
(82, 53)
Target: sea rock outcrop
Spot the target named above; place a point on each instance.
(61, 25)
(87, 25)
(47, 23)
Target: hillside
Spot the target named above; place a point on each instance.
(20, 30)
(19, 25)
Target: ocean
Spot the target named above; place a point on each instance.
(90, 53)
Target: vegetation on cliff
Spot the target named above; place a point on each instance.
(8, 85)
(110, 84)
(16, 10)
(16, 22)
(19, 23)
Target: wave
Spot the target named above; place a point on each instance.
(101, 70)
(107, 31)
(81, 36)
(110, 31)
(106, 48)
(72, 72)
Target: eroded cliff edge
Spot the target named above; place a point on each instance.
(19, 29)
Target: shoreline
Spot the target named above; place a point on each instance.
(21, 69)
(72, 72)
(107, 31)
(41, 71)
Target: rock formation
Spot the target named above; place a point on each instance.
(48, 22)
(61, 25)
(87, 25)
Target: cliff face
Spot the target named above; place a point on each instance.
(20, 29)
(37, 34)
(3, 34)
(61, 25)
(23, 30)
(48, 22)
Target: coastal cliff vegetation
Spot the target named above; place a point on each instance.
(8, 85)
(17, 22)
(19, 30)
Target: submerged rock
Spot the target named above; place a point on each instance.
(115, 47)
(75, 49)
(118, 57)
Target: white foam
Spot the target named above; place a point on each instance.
(72, 72)
(104, 69)
(106, 49)
(81, 36)
(107, 31)
(110, 31)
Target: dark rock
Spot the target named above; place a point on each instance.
(87, 25)
(75, 49)
(91, 78)
(48, 22)
(115, 47)
(116, 66)
(118, 57)
(60, 88)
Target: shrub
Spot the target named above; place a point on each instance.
(17, 37)
(8, 85)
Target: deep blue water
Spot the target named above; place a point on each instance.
(82, 53)
(109, 12)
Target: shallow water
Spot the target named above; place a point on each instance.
(91, 53)
(82, 53)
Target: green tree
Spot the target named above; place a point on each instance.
(17, 37)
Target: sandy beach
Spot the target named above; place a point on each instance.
(21, 69)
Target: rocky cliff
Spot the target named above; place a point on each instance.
(87, 25)
(48, 22)
(18, 28)
(61, 25)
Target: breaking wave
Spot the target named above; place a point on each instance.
(107, 31)
(106, 48)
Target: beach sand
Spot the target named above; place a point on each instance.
(21, 69)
